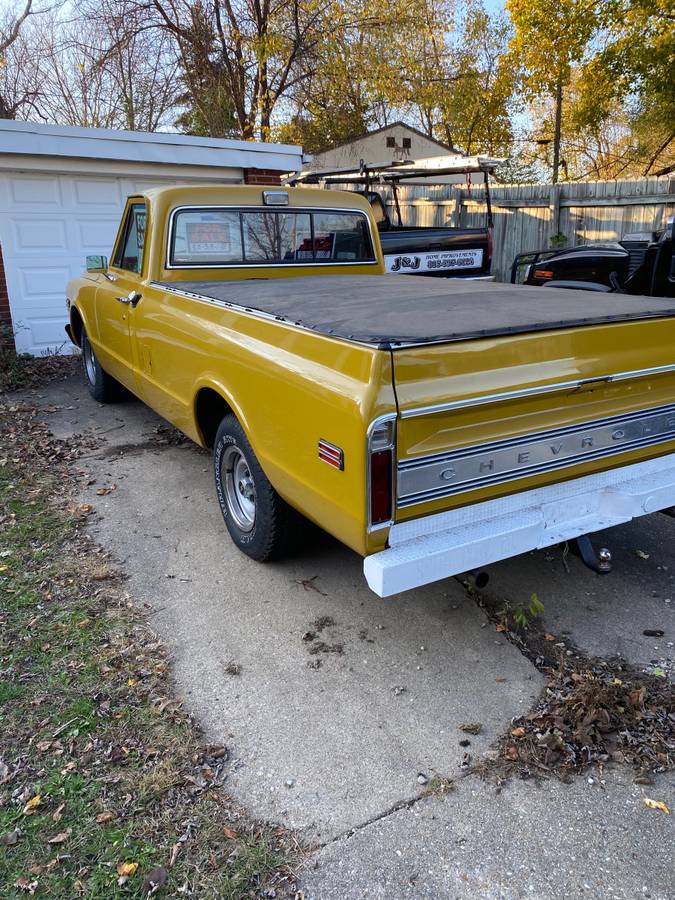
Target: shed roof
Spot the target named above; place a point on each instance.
(37, 139)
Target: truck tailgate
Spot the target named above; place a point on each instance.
(486, 417)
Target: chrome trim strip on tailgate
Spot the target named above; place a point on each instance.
(483, 399)
(445, 474)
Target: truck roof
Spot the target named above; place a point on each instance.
(390, 311)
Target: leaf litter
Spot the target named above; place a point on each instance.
(100, 763)
(591, 712)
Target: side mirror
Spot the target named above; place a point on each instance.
(97, 263)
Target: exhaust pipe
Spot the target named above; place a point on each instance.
(477, 577)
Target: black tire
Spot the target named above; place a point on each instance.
(102, 387)
(258, 519)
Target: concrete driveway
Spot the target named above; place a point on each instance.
(337, 704)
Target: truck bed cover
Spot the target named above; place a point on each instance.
(391, 311)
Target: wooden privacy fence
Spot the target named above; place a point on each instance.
(528, 216)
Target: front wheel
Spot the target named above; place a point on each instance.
(257, 518)
(102, 387)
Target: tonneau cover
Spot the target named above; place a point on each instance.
(390, 311)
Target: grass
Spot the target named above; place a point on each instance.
(106, 786)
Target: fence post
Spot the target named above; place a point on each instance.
(456, 207)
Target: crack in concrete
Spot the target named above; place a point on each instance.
(394, 808)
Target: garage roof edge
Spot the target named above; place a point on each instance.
(37, 139)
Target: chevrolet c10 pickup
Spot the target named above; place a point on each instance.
(433, 426)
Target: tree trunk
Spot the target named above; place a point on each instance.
(557, 130)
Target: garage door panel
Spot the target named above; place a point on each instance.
(144, 184)
(35, 190)
(31, 234)
(96, 235)
(42, 280)
(98, 192)
(43, 333)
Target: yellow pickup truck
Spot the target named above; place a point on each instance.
(433, 426)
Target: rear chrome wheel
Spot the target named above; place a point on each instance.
(260, 522)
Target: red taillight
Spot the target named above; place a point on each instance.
(380, 486)
(543, 274)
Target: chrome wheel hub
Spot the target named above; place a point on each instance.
(239, 488)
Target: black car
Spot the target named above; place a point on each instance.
(639, 264)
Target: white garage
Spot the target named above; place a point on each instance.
(61, 193)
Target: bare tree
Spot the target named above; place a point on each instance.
(18, 85)
(98, 67)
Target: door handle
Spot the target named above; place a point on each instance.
(132, 299)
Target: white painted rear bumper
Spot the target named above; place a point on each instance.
(438, 546)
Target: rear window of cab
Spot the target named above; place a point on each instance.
(225, 237)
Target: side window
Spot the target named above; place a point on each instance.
(129, 252)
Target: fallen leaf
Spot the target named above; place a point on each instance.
(637, 696)
(511, 753)
(229, 833)
(10, 837)
(656, 804)
(518, 732)
(56, 816)
(104, 817)
(3, 568)
(501, 627)
(549, 637)
(471, 727)
(154, 881)
(32, 805)
(61, 837)
(126, 868)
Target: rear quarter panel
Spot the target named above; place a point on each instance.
(289, 388)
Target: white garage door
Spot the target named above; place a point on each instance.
(48, 225)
